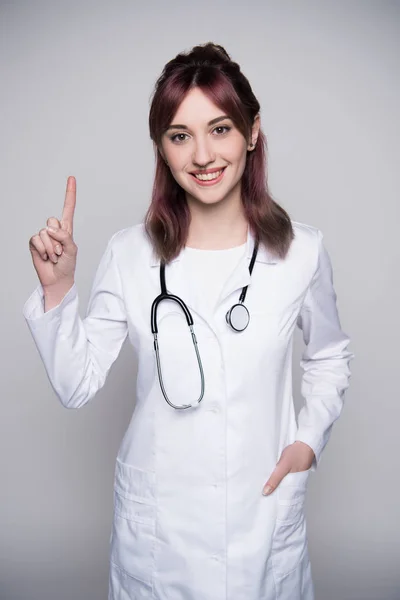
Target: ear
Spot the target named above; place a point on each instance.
(254, 132)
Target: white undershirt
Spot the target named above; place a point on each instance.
(208, 270)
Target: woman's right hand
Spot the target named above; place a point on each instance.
(53, 249)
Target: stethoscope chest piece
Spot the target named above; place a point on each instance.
(238, 317)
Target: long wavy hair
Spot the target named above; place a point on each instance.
(210, 68)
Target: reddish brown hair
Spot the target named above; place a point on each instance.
(210, 68)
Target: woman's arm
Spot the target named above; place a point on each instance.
(325, 360)
(78, 354)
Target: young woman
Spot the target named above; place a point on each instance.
(211, 475)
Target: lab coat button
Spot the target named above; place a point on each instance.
(215, 558)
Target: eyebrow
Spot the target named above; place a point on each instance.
(212, 122)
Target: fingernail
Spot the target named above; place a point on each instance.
(54, 258)
(267, 490)
(51, 229)
(58, 250)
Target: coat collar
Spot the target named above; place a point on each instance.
(263, 255)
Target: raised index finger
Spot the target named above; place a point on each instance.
(67, 219)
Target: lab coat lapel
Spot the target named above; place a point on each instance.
(178, 282)
(241, 277)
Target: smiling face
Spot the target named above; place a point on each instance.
(202, 140)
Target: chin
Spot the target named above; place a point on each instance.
(208, 200)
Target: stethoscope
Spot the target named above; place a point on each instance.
(237, 317)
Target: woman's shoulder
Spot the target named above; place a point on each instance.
(306, 243)
(306, 234)
(132, 234)
(305, 230)
(131, 241)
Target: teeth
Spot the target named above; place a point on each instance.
(209, 176)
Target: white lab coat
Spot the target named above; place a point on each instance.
(190, 521)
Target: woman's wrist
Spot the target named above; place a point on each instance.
(54, 294)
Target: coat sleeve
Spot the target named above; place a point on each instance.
(325, 360)
(77, 354)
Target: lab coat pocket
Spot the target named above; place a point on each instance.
(133, 539)
(289, 540)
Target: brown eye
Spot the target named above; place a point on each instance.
(176, 138)
(225, 127)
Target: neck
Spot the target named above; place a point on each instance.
(217, 226)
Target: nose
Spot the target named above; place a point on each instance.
(203, 153)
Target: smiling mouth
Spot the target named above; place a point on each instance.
(208, 176)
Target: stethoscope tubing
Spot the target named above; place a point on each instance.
(164, 295)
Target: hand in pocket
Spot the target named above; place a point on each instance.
(295, 458)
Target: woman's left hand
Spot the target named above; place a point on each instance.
(294, 458)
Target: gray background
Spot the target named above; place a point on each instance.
(76, 82)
